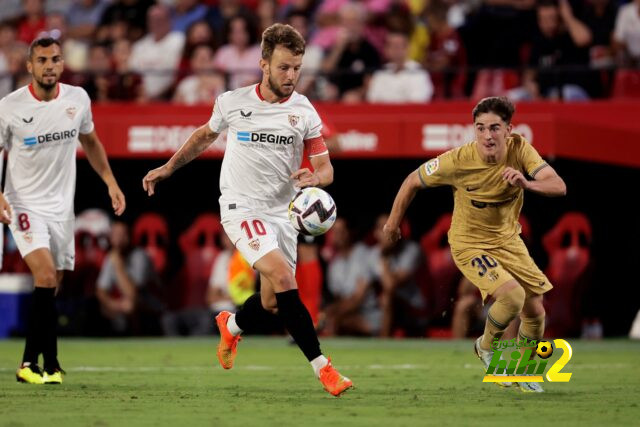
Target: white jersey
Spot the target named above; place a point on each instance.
(265, 143)
(41, 139)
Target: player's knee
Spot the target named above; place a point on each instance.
(465, 303)
(45, 278)
(283, 279)
(512, 299)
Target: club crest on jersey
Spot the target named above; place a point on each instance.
(28, 237)
(432, 166)
(255, 244)
(293, 120)
(71, 112)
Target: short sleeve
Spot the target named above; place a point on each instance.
(531, 160)
(314, 125)
(86, 125)
(218, 121)
(438, 171)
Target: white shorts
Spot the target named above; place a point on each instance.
(31, 232)
(256, 233)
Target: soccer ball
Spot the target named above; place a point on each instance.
(312, 211)
(544, 349)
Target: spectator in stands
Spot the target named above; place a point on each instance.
(185, 13)
(218, 298)
(239, 57)
(157, 55)
(133, 12)
(553, 50)
(8, 43)
(600, 17)
(401, 80)
(83, 17)
(446, 59)
(197, 34)
(352, 59)
(205, 84)
(266, 13)
(354, 309)
(394, 266)
(74, 51)
(626, 34)
(127, 84)
(125, 286)
(33, 22)
(312, 59)
(222, 12)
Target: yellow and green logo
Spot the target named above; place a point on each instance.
(520, 363)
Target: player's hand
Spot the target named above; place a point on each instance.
(391, 233)
(305, 178)
(5, 211)
(118, 202)
(153, 177)
(515, 178)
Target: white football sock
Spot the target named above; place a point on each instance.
(319, 363)
(233, 326)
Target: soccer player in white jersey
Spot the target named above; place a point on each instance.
(40, 125)
(269, 126)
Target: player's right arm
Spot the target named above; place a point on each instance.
(407, 192)
(199, 140)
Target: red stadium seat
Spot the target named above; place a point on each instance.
(151, 232)
(567, 245)
(626, 84)
(199, 247)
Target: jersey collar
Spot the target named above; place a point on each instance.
(33, 92)
(282, 101)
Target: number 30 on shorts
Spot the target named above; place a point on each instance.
(484, 263)
(258, 228)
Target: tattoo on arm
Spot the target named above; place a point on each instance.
(198, 142)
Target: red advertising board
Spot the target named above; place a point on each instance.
(605, 131)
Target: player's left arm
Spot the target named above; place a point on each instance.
(321, 176)
(97, 157)
(546, 181)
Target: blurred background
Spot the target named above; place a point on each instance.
(394, 82)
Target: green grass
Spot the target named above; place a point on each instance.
(178, 382)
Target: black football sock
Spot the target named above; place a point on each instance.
(49, 327)
(35, 324)
(297, 321)
(252, 315)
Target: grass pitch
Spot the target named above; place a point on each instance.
(178, 382)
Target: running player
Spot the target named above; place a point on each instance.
(269, 126)
(488, 180)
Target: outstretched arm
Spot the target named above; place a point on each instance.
(405, 195)
(98, 160)
(546, 182)
(199, 140)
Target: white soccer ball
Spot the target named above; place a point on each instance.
(312, 211)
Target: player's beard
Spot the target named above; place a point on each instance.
(276, 89)
(47, 86)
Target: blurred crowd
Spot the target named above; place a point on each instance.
(130, 279)
(189, 51)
